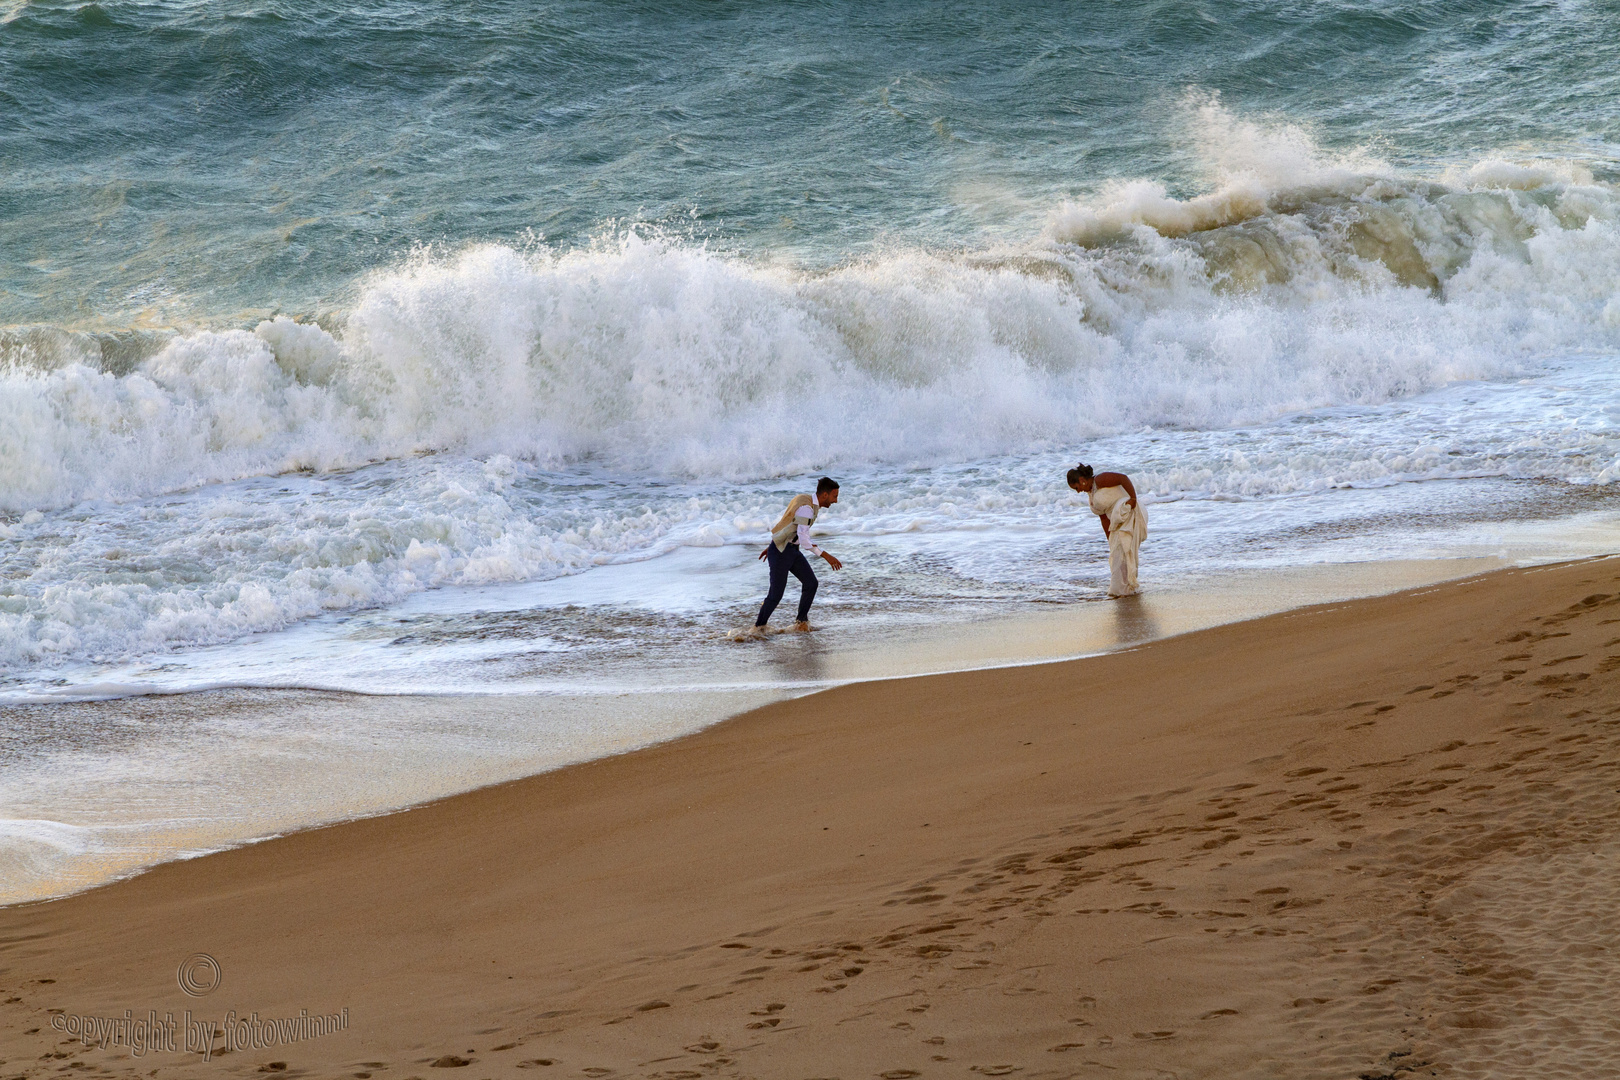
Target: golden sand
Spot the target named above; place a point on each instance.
(1370, 839)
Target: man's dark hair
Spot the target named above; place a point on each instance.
(826, 484)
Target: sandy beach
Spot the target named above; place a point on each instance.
(1371, 839)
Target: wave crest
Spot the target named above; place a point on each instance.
(1307, 280)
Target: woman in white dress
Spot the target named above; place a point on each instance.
(1124, 522)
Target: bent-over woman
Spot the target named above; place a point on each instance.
(1124, 522)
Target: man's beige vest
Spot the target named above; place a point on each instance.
(788, 527)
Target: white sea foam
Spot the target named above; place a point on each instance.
(548, 387)
(33, 848)
(1301, 280)
(103, 583)
(1249, 167)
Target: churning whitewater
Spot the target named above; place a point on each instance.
(498, 415)
(1299, 282)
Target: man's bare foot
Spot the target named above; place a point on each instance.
(802, 627)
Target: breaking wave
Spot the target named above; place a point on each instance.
(1298, 280)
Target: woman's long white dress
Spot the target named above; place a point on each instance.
(1127, 528)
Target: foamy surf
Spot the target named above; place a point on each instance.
(497, 416)
(239, 483)
(1300, 282)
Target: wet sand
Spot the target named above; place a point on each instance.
(1375, 838)
(105, 789)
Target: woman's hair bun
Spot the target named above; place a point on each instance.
(1080, 472)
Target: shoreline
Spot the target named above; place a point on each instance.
(312, 792)
(1291, 846)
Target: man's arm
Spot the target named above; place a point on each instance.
(805, 543)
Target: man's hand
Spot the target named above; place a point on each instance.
(764, 553)
(832, 561)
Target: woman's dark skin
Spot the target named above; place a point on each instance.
(1102, 480)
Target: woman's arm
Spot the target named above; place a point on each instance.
(1118, 479)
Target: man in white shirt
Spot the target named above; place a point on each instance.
(785, 553)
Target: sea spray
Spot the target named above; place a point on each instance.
(652, 356)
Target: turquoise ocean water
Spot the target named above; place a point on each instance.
(197, 164)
